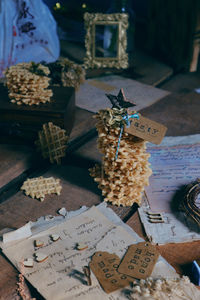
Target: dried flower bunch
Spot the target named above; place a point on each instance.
(121, 180)
(113, 117)
(22, 288)
(66, 73)
(27, 83)
(157, 289)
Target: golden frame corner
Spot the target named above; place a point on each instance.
(91, 20)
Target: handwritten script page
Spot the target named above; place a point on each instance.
(173, 167)
(61, 275)
(175, 163)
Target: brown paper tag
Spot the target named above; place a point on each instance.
(139, 260)
(147, 129)
(104, 265)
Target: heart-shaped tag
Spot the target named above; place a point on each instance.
(55, 237)
(40, 257)
(139, 260)
(28, 263)
(104, 265)
(38, 243)
(81, 246)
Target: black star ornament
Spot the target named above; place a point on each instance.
(120, 101)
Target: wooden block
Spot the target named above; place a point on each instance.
(23, 121)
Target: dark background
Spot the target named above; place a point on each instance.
(164, 29)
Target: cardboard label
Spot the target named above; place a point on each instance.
(104, 266)
(147, 129)
(139, 260)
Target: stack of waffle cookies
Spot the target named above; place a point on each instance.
(27, 83)
(121, 180)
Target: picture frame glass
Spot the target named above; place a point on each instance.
(106, 40)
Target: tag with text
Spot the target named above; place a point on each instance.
(104, 266)
(139, 260)
(147, 129)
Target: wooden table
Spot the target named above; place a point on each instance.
(177, 111)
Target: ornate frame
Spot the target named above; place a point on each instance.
(121, 60)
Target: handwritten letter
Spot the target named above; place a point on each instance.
(61, 276)
(173, 167)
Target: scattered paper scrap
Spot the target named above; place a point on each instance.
(21, 233)
(49, 218)
(62, 211)
(38, 187)
(52, 142)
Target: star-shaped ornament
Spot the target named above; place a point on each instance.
(120, 101)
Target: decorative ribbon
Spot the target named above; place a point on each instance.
(128, 123)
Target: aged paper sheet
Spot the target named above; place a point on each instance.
(175, 163)
(175, 229)
(173, 167)
(61, 275)
(91, 95)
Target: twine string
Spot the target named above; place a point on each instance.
(127, 118)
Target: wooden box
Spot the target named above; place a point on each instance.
(22, 122)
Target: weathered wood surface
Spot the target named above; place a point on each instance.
(84, 122)
(18, 159)
(21, 123)
(14, 159)
(180, 113)
(79, 189)
(149, 70)
(182, 83)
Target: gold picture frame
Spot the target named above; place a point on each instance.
(119, 24)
